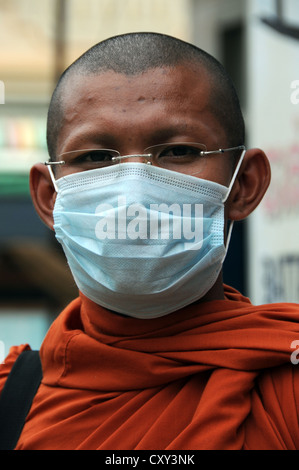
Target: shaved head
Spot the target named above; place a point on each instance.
(135, 53)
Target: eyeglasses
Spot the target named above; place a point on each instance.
(187, 158)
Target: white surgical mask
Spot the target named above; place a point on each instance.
(140, 240)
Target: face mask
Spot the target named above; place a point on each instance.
(141, 240)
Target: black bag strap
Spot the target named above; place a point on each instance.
(17, 395)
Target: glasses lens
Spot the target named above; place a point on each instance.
(179, 157)
(88, 159)
(184, 158)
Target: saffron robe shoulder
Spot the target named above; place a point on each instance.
(119, 383)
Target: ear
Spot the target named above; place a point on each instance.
(42, 193)
(250, 186)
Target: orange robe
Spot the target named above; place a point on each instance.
(215, 375)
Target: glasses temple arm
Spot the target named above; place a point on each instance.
(208, 152)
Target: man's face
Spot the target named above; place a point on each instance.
(131, 113)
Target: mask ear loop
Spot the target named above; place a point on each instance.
(229, 234)
(52, 178)
(234, 176)
(231, 225)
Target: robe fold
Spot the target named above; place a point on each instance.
(215, 376)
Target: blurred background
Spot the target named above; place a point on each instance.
(258, 43)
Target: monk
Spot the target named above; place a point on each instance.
(147, 173)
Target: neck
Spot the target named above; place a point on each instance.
(216, 292)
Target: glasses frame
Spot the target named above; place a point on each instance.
(119, 157)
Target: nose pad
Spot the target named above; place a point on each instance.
(140, 158)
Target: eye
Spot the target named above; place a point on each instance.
(96, 156)
(180, 152)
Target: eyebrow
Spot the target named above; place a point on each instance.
(82, 135)
(112, 140)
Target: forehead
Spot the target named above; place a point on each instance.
(114, 102)
(173, 83)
